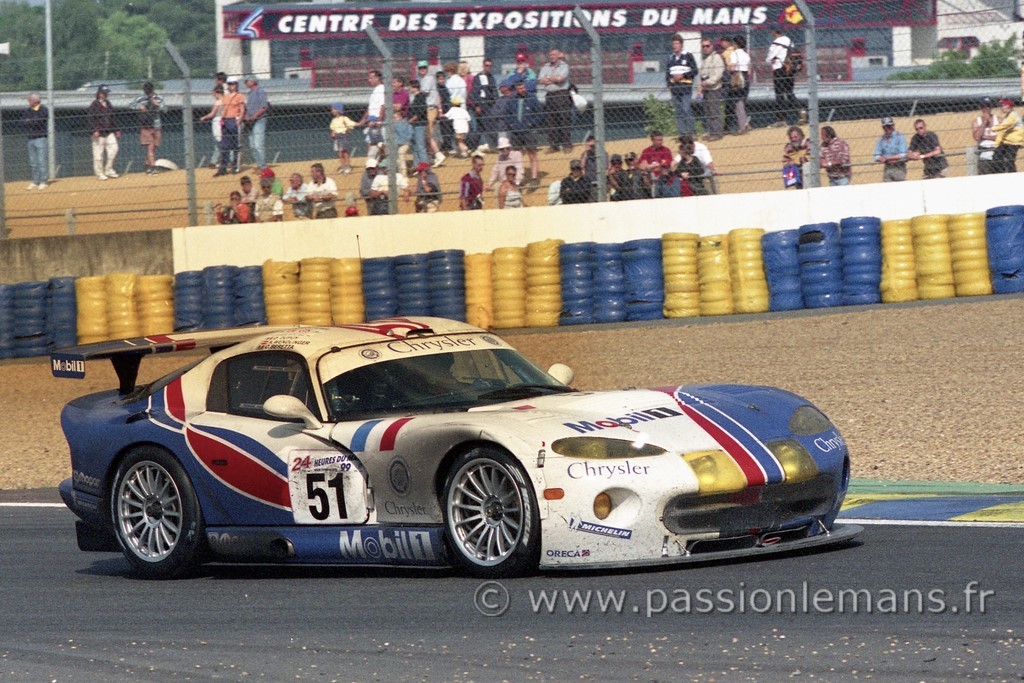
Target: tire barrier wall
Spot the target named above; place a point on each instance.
(859, 260)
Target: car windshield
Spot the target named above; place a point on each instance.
(439, 382)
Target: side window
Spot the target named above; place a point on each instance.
(240, 385)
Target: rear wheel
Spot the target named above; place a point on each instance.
(491, 514)
(156, 515)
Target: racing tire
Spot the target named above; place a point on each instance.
(156, 516)
(491, 515)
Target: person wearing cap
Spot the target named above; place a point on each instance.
(835, 157)
(231, 128)
(483, 93)
(576, 188)
(891, 150)
(380, 189)
(1009, 137)
(506, 157)
(417, 118)
(105, 134)
(459, 118)
(981, 131)
(635, 182)
(553, 79)
(366, 182)
(268, 208)
(35, 121)
(323, 193)
(275, 183)
(522, 123)
(680, 70)
(257, 106)
(471, 187)
(427, 189)
(924, 146)
(340, 127)
(295, 196)
(148, 107)
(523, 72)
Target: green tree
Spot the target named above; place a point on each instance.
(995, 59)
(133, 48)
(24, 28)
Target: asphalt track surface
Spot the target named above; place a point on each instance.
(933, 603)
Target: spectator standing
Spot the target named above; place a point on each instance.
(891, 150)
(36, 119)
(680, 70)
(712, 72)
(510, 195)
(835, 158)
(380, 188)
(400, 97)
(981, 130)
(526, 118)
(576, 189)
(323, 193)
(427, 189)
(795, 153)
(739, 84)
(373, 118)
(690, 168)
(1009, 137)
(215, 116)
(506, 157)
(295, 196)
(504, 107)
(148, 107)
(471, 187)
(105, 134)
(418, 120)
(341, 126)
(256, 109)
(786, 104)
(483, 93)
(446, 126)
(231, 129)
(924, 145)
(725, 48)
(428, 85)
(455, 80)
(236, 211)
(403, 140)
(523, 71)
(656, 156)
(269, 206)
(459, 118)
(553, 79)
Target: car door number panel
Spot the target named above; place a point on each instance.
(327, 487)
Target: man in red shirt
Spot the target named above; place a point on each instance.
(652, 157)
(471, 189)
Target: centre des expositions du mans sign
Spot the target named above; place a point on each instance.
(408, 19)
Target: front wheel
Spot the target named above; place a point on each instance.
(156, 515)
(491, 514)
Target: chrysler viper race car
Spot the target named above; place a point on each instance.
(424, 441)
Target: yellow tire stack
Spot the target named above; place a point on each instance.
(156, 304)
(315, 291)
(479, 291)
(347, 305)
(967, 243)
(508, 276)
(543, 283)
(899, 265)
(122, 310)
(91, 301)
(713, 270)
(281, 292)
(746, 271)
(933, 258)
(682, 283)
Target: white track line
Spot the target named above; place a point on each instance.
(930, 522)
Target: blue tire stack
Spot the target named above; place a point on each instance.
(782, 270)
(61, 312)
(218, 297)
(30, 319)
(446, 276)
(821, 265)
(609, 284)
(645, 279)
(188, 301)
(1004, 230)
(380, 293)
(861, 238)
(411, 281)
(6, 321)
(577, 266)
(248, 294)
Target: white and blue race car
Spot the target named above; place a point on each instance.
(429, 442)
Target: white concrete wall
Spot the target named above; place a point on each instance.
(483, 231)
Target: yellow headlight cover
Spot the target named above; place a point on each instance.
(597, 448)
(795, 460)
(716, 471)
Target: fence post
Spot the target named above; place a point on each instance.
(189, 132)
(390, 145)
(597, 78)
(4, 232)
(813, 178)
(69, 221)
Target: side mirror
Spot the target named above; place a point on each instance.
(291, 408)
(562, 372)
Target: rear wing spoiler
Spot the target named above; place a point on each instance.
(126, 354)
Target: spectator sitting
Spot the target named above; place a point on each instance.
(295, 196)
(510, 196)
(653, 158)
(235, 212)
(427, 189)
(671, 184)
(576, 189)
(269, 207)
(690, 168)
(471, 189)
(794, 155)
(323, 193)
(380, 188)
(275, 183)
(248, 191)
(589, 158)
(631, 182)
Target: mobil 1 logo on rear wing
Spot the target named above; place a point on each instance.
(67, 366)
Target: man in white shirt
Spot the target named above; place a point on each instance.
(323, 193)
(380, 186)
(787, 106)
(373, 119)
(295, 196)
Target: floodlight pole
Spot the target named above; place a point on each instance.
(597, 77)
(813, 176)
(189, 132)
(390, 144)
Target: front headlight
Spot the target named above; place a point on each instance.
(808, 420)
(796, 462)
(716, 471)
(596, 448)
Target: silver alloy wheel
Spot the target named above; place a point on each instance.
(149, 511)
(485, 512)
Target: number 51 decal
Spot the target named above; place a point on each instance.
(327, 487)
